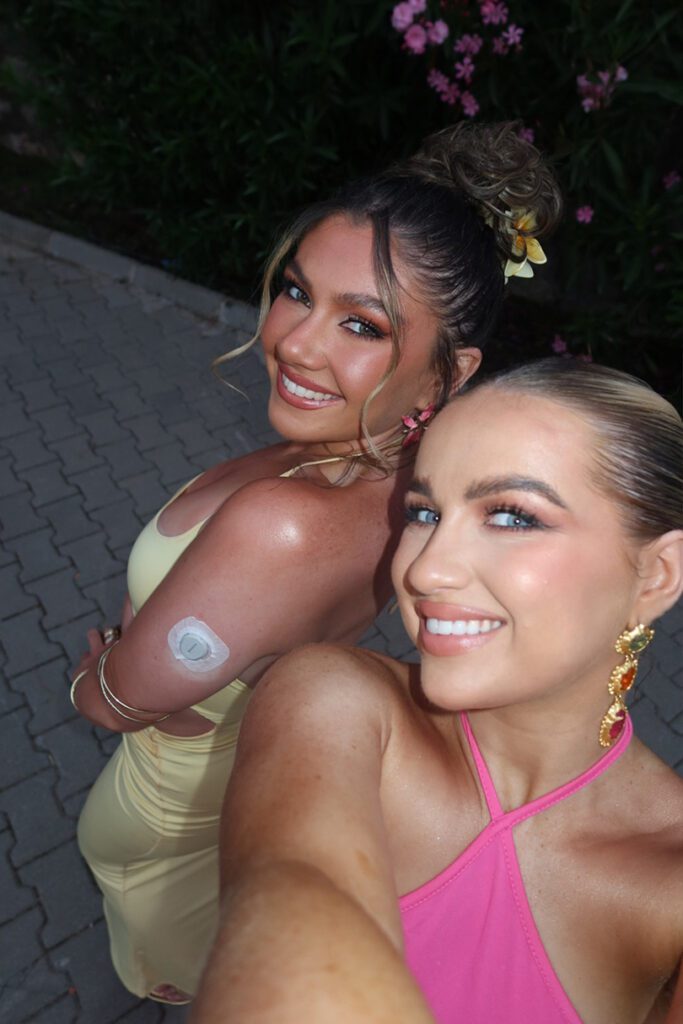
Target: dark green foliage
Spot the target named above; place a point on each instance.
(201, 127)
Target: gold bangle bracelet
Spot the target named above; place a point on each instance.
(74, 684)
(116, 704)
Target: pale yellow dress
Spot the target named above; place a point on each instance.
(149, 828)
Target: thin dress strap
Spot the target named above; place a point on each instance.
(554, 795)
(492, 801)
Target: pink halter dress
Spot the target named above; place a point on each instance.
(470, 938)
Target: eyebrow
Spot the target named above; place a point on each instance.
(365, 299)
(495, 484)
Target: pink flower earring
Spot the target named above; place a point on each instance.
(414, 424)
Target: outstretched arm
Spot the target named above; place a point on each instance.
(259, 578)
(310, 930)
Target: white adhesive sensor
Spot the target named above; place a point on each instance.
(197, 646)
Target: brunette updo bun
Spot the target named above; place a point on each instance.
(446, 214)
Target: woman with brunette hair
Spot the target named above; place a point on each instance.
(375, 307)
(488, 814)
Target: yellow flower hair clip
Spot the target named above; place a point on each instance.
(523, 245)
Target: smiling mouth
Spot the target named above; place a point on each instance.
(301, 392)
(461, 627)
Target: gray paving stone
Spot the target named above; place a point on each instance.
(71, 637)
(31, 994)
(103, 427)
(64, 1010)
(85, 956)
(124, 458)
(47, 483)
(650, 728)
(82, 399)
(108, 377)
(20, 757)
(148, 431)
(19, 803)
(46, 692)
(60, 597)
(66, 890)
(57, 423)
(13, 597)
(68, 519)
(92, 559)
(10, 700)
(193, 437)
(17, 516)
(147, 493)
(27, 450)
(109, 595)
(76, 454)
(37, 555)
(171, 463)
(16, 898)
(21, 366)
(25, 644)
(13, 419)
(19, 943)
(97, 487)
(128, 402)
(10, 483)
(38, 394)
(120, 523)
(67, 373)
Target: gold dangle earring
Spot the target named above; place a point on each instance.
(631, 643)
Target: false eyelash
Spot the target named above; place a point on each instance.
(532, 521)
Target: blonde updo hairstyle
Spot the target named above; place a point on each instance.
(638, 450)
(445, 213)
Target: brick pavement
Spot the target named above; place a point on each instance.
(106, 406)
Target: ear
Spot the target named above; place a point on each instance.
(467, 364)
(660, 569)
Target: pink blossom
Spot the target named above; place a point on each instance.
(470, 106)
(469, 44)
(437, 32)
(402, 17)
(526, 134)
(415, 39)
(513, 35)
(596, 95)
(499, 46)
(493, 12)
(559, 345)
(671, 179)
(584, 214)
(465, 69)
(447, 90)
(417, 6)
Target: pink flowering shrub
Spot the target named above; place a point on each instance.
(598, 88)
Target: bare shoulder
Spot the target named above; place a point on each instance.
(294, 514)
(339, 669)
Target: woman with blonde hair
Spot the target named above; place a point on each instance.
(376, 304)
(486, 816)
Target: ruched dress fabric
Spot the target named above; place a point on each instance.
(149, 828)
(471, 941)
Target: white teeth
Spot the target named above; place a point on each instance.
(296, 389)
(461, 627)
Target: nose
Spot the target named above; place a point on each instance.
(301, 344)
(442, 564)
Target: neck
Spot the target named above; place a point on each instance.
(531, 749)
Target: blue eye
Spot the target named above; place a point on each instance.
(421, 515)
(293, 291)
(502, 518)
(363, 328)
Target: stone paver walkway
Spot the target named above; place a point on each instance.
(106, 406)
